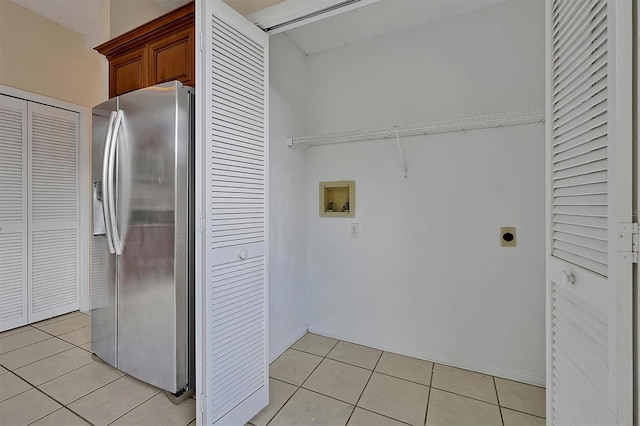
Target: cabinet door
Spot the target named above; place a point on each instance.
(172, 58)
(128, 72)
(13, 212)
(53, 211)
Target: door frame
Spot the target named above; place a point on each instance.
(84, 184)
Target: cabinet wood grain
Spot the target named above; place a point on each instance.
(158, 51)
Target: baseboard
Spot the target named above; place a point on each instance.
(276, 351)
(417, 352)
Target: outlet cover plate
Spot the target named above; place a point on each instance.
(354, 230)
(508, 236)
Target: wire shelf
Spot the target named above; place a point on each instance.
(442, 126)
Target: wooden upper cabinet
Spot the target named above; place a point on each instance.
(128, 72)
(158, 51)
(172, 58)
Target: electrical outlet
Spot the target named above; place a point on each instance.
(354, 230)
(508, 236)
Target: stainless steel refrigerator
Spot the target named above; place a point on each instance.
(142, 244)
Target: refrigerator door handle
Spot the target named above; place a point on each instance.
(113, 218)
(106, 187)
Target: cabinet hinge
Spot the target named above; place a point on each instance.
(201, 41)
(627, 241)
(202, 224)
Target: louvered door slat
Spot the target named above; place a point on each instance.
(573, 26)
(584, 223)
(580, 230)
(586, 164)
(13, 213)
(234, 203)
(580, 382)
(582, 93)
(53, 199)
(588, 189)
(589, 207)
(580, 134)
(583, 71)
(574, 51)
(583, 143)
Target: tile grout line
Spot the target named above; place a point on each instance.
(365, 368)
(34, 327)
(30, 327)
(395, 377)
(124, 414)
(57, 353)
(62, 405)
(430, 386)
(88, 393)
(283, 405)
(48, 396)
(522, 412)
(298, 387)
(495, 387)
(19, 393)
(66, 332)
(25, 346)
(383, 415)
(465, 396)
(365, 387)
(426, 411)
(49, 356)
(57, 377)
(347, 363)
(352, 365)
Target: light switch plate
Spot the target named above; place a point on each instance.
(508, 236)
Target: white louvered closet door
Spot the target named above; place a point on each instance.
(589, 170)
(53, 211)
(231, 174)
(13, 212)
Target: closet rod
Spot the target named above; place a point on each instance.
(443, 126)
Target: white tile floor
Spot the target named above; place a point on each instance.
(323, 381)
(47, 377)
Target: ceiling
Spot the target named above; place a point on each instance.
(376, 19)
(83, 16)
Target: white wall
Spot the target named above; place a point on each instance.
(485, 62)
(287, 196)
(427, 277)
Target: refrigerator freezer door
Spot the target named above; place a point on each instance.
(152, 219)
(103, 264)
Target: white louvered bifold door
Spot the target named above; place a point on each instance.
(231, 174)
(13, 212)
(53, 211)
(589, 175)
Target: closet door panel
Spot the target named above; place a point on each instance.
(232, 332)
(13, 212)
(589, 212)
(53, 204)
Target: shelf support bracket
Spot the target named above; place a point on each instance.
(404, 165)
